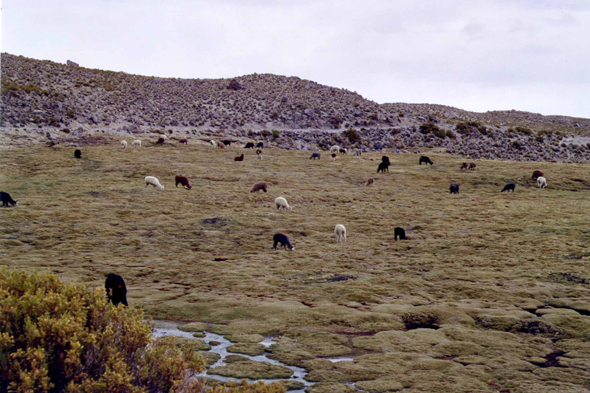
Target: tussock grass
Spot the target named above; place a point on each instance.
(205, 254)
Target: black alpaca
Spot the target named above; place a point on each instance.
(116, 289)
(5, 198)
(260, 145)
(454, 188)
(384, 166)
(78, 154)
(385, 159)
(226, 142)
(283, 239)
(425, 160)
(398, 231)
(249, 145)
(509, 187)
(315, 155)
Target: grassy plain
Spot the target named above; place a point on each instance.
(490, 292)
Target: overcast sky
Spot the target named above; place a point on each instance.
(531, 55)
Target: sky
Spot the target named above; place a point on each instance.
(478, 55)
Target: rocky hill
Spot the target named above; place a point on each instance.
(54, 97)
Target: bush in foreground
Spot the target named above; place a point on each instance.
(58, 337)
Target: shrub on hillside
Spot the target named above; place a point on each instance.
(352, 135)
(431, 128)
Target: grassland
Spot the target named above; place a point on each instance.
(490, 292)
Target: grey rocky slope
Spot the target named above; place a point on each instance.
(64, 99)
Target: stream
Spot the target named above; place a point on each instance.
(167, 328)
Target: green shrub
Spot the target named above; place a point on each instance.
(57, 337)
(266, 133)
(65, 337)
(524, 130)
(429, 128)
(275, 134)
(400, 114)
(451, 134)
(352, 135)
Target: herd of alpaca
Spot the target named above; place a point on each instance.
(281, 202)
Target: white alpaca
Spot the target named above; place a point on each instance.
(151, 180)
(541, 182)
(136, 143)
(123, 144)
(340, 232)
(282, 203)
(213, 143)
(163, 136)
(335, 149)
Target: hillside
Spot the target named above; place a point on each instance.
(67, 98)
(489, 294)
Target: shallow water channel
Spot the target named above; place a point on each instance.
(167, 328)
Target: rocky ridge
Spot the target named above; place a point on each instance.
(41, 97)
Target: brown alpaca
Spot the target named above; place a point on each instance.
(370, 182)
(260, 186)
(464, 166)
(240, 158)
(160, 141)
(472, 166)
(537, 174)
(184, 140)
(333, 156)
(183, 180)
(220, 145)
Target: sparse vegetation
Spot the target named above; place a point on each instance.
(352, 135)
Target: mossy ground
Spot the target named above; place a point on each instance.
(489, 272)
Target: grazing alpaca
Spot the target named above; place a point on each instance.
(213, 143)
(340, 232)
(335, 149)
(282, 204)
(342, 151)
(384, 166)
(358, 152)
(226, 142)
(537, 174)
(315, 155)
(283, 240)
(398, 231)
(259, 154)
(425, 160)
(136, 143)
(541, 182)
(260, 145)
(5, 198)
(472, 166)
(454, 188)
(116, 289)
(240, 158)
(509, 187)
(78, 154)
(220, 145)
(183, 140)
(182, 180)
(260, 186)
(160, 140)
(123, 144)
(370, 182)
(385, 159)
(151, 180)
(249, 145)
(464, 166)
(333, 156)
